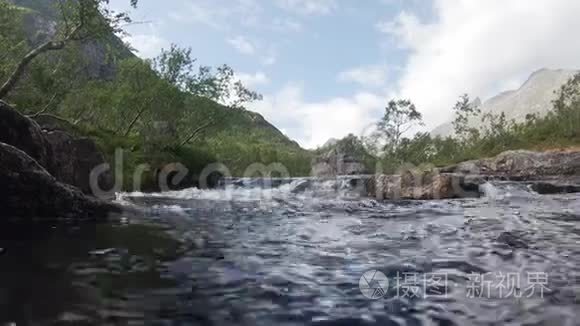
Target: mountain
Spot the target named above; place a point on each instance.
(535, 96)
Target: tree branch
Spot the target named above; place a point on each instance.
(196, 131)
(135, 120)
(45, 107)
(54, 117)
(19, 70)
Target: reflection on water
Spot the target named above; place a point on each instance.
(83, 274)
(295, 254)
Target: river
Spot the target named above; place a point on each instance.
(302, 252)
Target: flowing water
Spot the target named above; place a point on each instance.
(295, 253)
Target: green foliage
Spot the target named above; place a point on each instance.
(400, 116)
(560, 128)
(77, 21)
(12, 38)
(464, 112)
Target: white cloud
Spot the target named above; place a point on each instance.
(368, 76)
(242, 45)
(199, 13)
(218, 14)
(313, 123)
(286, 25)
(478, 46)
(253, 80)
(266, 55)
(308, 7)
(270, 58)
(147, 45)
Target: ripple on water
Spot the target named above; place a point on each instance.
(295, 256)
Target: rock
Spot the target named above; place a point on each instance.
(29, 191)
(301, 186)
(530, 164)
(522, 165)
(339, 160)
(25, 134)
(423, 186)
(337, 165)
(554, 187)
(69, 159)
(512, 239)
(74, 159)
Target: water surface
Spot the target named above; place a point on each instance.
(294, 254)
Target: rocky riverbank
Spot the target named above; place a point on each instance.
(545, 172)
(45, 173)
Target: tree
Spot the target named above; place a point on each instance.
(464, 112)
(204, 87)
(567, 106)
(568, 94)
(79, 21)
(400, 116)
(178, 68)
(12, 39)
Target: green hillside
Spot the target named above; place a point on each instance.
(97, 87)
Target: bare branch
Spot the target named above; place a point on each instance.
(46, 107)
(197, 131)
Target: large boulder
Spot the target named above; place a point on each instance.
(29, 191)
(562, 186)
(25, 134)
(343, 157)
(523, 165)
(68, 158)
(418, 185)
(74, 159)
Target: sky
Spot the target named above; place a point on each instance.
(327, 68)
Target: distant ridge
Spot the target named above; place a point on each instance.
(535, 96)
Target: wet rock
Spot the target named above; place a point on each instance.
(522, 165)
(549, 188)
(28, 191)
(513, 240)
(69, 159)
(301, 186)
(423, 186)
(25, 134)
(74, 159)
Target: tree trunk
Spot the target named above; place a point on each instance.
(132, 124)
(19, 70)
(138, 116)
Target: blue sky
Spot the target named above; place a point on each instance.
(328, 67)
